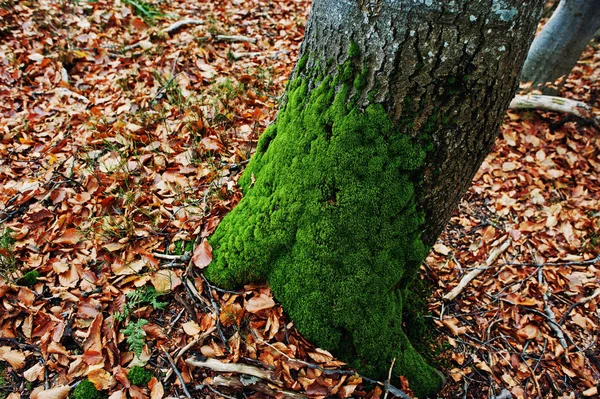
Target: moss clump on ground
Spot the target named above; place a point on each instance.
(331, 222)
(30, 278)
(86, 390)
(139, 376)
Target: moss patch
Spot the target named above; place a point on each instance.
(331, 222)
(139, 376)
(86, 390)
(30, 278)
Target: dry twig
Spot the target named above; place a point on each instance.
(476, 272)
(177, 373)
(176, 25)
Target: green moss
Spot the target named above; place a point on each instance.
(360, 81)
(330, 219)
(139, 376)
(86, 390)
(353, 49)
(30, 278)
(302, 62)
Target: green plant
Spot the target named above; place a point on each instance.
(139, 376)
(136, 336)
(29, 279)
(86, 390)
(147, 11)
(146, 295)
(8, 260)
(4, 385)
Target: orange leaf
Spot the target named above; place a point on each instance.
(258, 303)
(528, 332)
(59, 392)
(70, 236)
(16, 359)
(202, 255)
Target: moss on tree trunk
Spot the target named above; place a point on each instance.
(353, 181)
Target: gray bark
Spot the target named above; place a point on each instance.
(559, 45)
(454, 64)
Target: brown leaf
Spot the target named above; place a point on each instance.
(101, 379)
(15, 358)
(70, 236)
(258, 303)
(191, 328)
(165, 280)
(58, 392)
(156, 389)
(202, 255)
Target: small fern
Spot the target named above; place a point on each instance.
(145, 295)
(136, 336)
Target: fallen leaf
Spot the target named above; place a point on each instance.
(202, 254)
(262, 302)
(15, 358)
(165, 280)
(70, 236)
(528, 332)
(58, 392)
(441, 249)
(191, 328)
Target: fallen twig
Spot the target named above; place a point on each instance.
(238, 368)
(258, 386)
(228, 38)
(476, 272)
(568, 263)
(553, 324)
(182, 258)
(197, 341)
(176, 25)
(177, 373)
(556, 104)
(582, 302)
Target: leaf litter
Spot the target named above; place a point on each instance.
(123, 132)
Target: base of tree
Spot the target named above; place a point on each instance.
(329, 218)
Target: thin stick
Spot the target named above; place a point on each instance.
(387, 382)
(176, 25)
(476, 272)
(259, 386)
(177, 373)
(217, 365)
(582, 302)
(228, 38)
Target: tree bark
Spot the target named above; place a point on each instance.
(390, 111)
(559, 45)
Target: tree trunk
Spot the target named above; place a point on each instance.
(391, 109)
(557, 48)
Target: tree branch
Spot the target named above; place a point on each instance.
(555, 104)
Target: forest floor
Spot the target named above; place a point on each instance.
(121, 142)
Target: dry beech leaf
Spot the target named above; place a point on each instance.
(202, 254)
(528, 332)
(70, 236)
(165, 280)
(118, 395)
(191, 328)
(16, 359)
(452, 324)
(59, 392)
(156, 389)
(262, 302)
(483, 366)
(34, 373)
(101, 379)
(441, 249)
